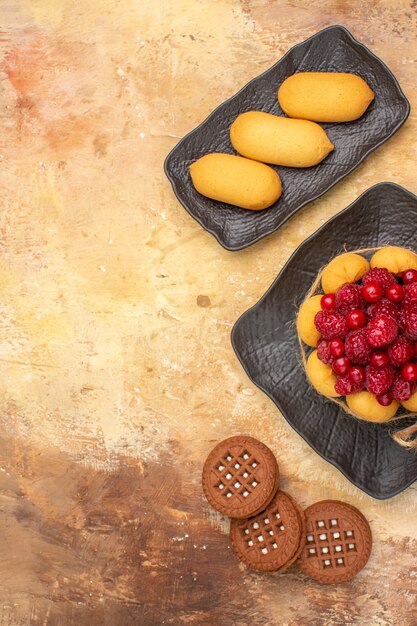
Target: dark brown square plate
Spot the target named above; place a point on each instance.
(265, 341)
(333, 50)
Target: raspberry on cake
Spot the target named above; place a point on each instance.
(379, 379)
(357, 347)
(330, 324)
(383, 307)
(345, 386)
(408, 320)
(410, 293)
(323, 352)
(402, 390)
(400, 350)
(379, 275)
(381, 330)
(348, 297)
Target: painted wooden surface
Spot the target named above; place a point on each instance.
(117, 373)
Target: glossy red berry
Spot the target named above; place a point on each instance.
(409, 276)
(372, 292)
(379, 358)
(336, 347)
(355, 319)
(409, 372)
(385, 399)
(357, 374)
(395, 293)
(341, 365)
(328, 301)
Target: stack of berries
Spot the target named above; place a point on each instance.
(369, 335)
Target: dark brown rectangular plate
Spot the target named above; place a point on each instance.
(265, 341)
(331, 50)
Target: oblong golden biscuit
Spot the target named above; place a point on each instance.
(279, 140)
(305, 321)
(345, 268)
(325, 96)
(395, 259)
(365, 405)
(233, 179)
(321, 376)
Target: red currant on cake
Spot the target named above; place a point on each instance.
(341, 365)
(395, 292)
(409, 276)
(355, 319)
(409, 372)
(336, 347)
(357, 374)
(372, 291)
(328, 301)
(385, 399)
(379, 358)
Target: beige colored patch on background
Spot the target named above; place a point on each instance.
(116, 310)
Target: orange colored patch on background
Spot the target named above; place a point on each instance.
(53, 85)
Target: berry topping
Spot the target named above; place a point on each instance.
(357, 348)
(355, 319)
(385, 399)
(410, 292)
(383, 307)
(409, 276)
(379, 358)
(323, 352)
(379, 275)
(330, 324)
(401, 350)
(381, 331)
(379, 379)
(409, 372)
(345, 386)
(341, 365)
(402, 390)
(396, 293)
(372, 291)
(328, 301)
(336, 347)
(408, 320)
(357, 374)
(348, 297)
(369, 335)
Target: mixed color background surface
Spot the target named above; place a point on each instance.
(117, 372)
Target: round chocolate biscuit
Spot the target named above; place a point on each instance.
(302, 520)
(271, 540)
(240, 477)
(338, 542)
